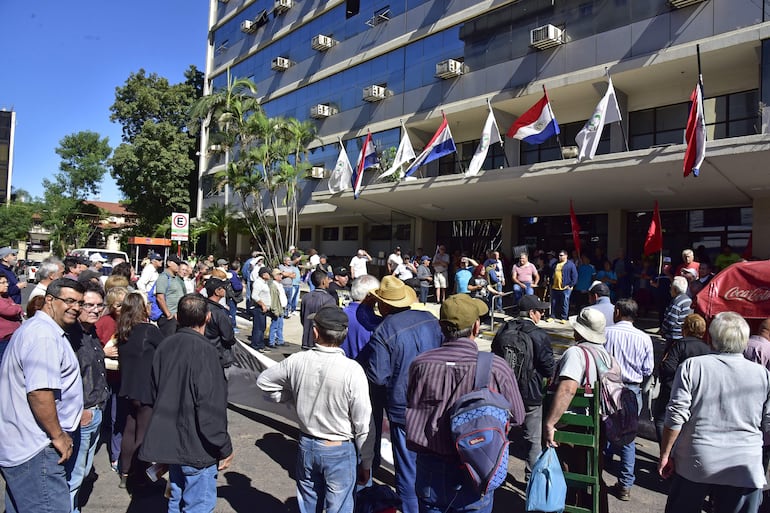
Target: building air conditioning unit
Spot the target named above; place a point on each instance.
(317, 172)
(449, 68)
(678, 4)
(545, 37)
(280, 64)
(322, 111)
(282, 5)
(374, 93)
(248, 26)
(322, 43)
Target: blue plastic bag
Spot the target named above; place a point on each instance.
(546, 490)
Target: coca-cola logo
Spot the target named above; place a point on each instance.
(757, 295)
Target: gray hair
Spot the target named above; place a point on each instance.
(729, 333)
(680, 284)
(46, 269)
(361, 286)
(687, 252)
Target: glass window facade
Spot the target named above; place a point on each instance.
(555, 233)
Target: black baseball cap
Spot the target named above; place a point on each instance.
(173, 258)
(331, 318)
(531, 302)
(212, 284)
(341, 271)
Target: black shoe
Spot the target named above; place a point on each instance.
(619, 491)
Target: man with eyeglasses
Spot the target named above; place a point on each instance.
(41, 404)
(90, 355)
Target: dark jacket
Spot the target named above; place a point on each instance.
(189, 417)
(90, 354)
(14, 292)
(311, 303)
(135, 356)
(219, 331)
(569, 273)
(677, 352)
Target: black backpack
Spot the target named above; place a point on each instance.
(515, 346)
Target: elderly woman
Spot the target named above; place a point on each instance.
(712, 440)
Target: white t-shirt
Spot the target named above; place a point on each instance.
(394, 261)
(358, 266)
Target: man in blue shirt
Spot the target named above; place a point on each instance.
(464, 275)
(8, 258)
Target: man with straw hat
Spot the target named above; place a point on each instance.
(400, 337)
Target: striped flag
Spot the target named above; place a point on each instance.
(366, 159)
(441, 144)
(537, 125)
(695, 134)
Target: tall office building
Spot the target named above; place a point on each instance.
(386, 66)
(7, 128)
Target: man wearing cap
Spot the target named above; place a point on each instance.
(599, 299)
(219, 329)
(340, 286)
(332, 400)
(96, 261)
(150, 272)
(8, 258)
(588, 328)
(426, 278)
(531, 311)
(437, 378)
(41, 404)
(312, 302)
(632, 349)
(396, 341)
(169, 289)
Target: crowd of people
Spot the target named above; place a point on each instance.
(149, 356)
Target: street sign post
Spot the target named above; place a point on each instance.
(180, 226)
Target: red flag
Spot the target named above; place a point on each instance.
(749, 251)
(695, 133)
(575, 228)
(654, 241)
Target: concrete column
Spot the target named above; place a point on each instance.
(617, 236)
(760, 239)
(510, 234)
(425, 235)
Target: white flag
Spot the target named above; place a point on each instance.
(404, 155)
(606, 112)
(342, 175)
(490, 135)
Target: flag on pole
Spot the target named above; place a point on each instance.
(606, 112)
(695, 134)
(654, 241)
(441, 144)
(340, 177)
(536, 125)
(490, 135)
(366, 159)
(575, 228)
(404, 155)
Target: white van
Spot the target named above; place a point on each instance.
(108, 255)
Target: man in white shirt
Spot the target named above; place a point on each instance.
(358, 264)
(394, 259)
(150, 273)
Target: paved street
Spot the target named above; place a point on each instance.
(262, 475)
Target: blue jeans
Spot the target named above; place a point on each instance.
(39, 485)
(79, 465)
(193, 490)
(518, 292)
(247, 294)
(424, 291)
(233, 310)
(627, 452)
(406, 467)
(446, 487)
(560, 303)
(276, 332)
(326, 476)
(292, 306)
(259, 323)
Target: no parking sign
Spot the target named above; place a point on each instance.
(180, 225)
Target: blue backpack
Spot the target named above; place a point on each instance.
(479, 423)
(547, 489)
(155, 311)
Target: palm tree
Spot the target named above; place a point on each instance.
(217, 220)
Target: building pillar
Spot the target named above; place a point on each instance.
(510, 235)
(425, 235)
(760, 230)
(617, 235)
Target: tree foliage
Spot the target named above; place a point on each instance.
(155, 165)
(15, 222)
(265, 160)
(82, 168)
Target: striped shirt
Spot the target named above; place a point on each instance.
(437, 378)
(679, 308)
(632, 348)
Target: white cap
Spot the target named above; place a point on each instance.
(97, 257)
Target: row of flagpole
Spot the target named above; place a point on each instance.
(535, 126)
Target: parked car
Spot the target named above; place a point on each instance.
(108, 255)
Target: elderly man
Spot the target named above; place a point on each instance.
(289, 274)
(358, 264)
(332, 400)
(441, 269)
(41, 404)
(49, 270)
(712, 440)
(169, 289)
(632, 349)
(758, 347)
(312, 302)
(679, 308)
(437, 378)
(525, 277)
(150, 273)
(396, 341)
(599, 299)
(8, 258)
(688, 262)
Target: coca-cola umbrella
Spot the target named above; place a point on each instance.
(743, 287)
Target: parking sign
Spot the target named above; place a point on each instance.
(180, 225)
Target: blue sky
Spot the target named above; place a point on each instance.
(62, 60)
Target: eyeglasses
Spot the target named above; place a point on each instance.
(93, 306)
(69, 301)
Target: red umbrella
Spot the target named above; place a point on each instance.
(743, 287)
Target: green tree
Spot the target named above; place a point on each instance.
(82, 168)
(155, 166)
(15, 222)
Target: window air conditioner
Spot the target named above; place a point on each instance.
(678, 4)
(374, 93)
(322, 43)
(322, 111)
(317, 172)
(449, 68)
(248, 26)
(281, 64)
(282, 5)
(545, 37)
